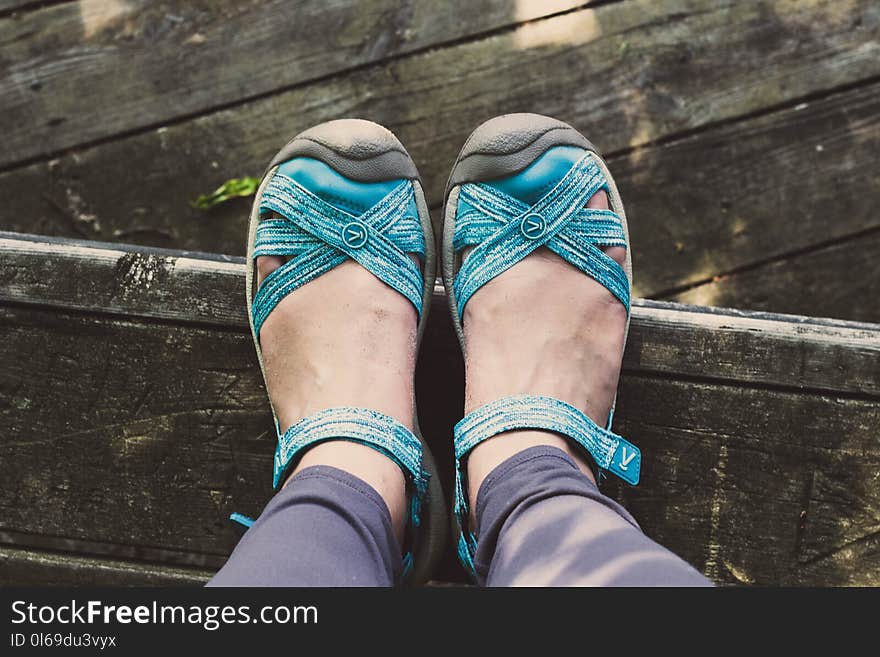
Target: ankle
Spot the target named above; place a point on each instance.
(367, 464)
(488, 455)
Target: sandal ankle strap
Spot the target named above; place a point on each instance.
(361, 425)
(611, 452)
(367, 427)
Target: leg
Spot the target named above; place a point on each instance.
(543, 522)
(340, 517)
(543, 327)
(325, 528)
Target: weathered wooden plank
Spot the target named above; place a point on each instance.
(769, 487)
(755, 349)
(145, 417)
(31, 568)
(161, 62)
(138, 553)
(758, 190)
(839, 280)
(121, 279)
(168, 285)
(134, 421)
(144, 433)
(680, 197)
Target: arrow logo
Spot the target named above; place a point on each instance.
(624, 459)
(354, 235)
(533, 226)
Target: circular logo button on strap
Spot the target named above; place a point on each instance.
(533, 226)
(354, 234)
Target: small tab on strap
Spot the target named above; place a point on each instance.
(610, 451)
(626, 462)
(242, 519)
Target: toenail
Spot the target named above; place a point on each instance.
(533, 226)
(354, 234)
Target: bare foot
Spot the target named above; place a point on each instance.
(542, 327)
(343, 339)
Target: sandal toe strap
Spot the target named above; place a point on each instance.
(317, 236)
(503, 230)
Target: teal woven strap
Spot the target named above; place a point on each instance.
(318, 236)
(610, 451)
(361, 425)
(367, 427)
(504, 230)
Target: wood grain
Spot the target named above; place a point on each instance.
(735, 194)
(770, 487)
(157, 63)
(121, 279)
(137, 430)
(758, 190)
(13, 5)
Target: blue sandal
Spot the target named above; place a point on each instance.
(348, 189)
(522, 181)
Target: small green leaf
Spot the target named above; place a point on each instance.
(232, 188)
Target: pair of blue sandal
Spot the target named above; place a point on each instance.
(348, 189)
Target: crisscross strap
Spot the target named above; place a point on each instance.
(367, 427)
(319, 236)
(610, 451)
(504, 230)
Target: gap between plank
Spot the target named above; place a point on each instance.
(91, 561)
(789, 104)
(788, 255)
(95, 549)
(719, 382)
(29, 7)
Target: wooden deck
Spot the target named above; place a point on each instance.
(135, 421)
(743, 135)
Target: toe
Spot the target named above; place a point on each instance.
(266, 265)
(599, 201)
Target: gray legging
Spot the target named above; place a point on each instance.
(540, 522)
